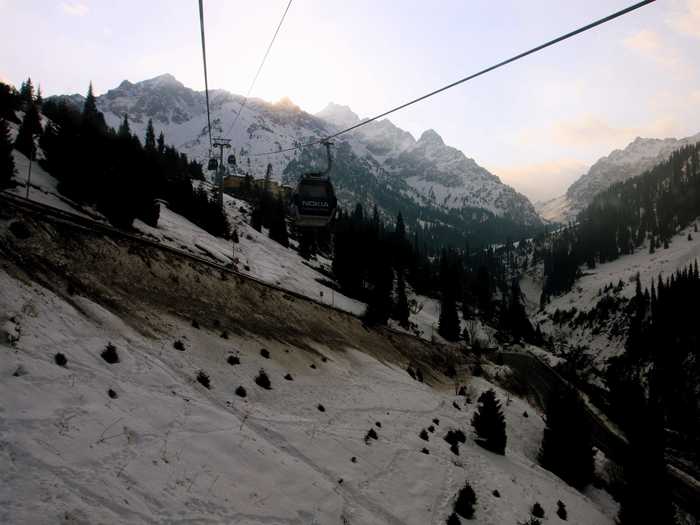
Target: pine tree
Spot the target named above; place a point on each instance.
(278, 224)
(150, 141)
(124, 128)
(380, 304)
(29, 129)
(646, 496)
(268, 176)
(448, 322)
(566, 448)
(400, 228)
(26, 93)
(92, 118)
(10, 102)
(256, 218)
(39, 99)
(401, 311)
(7, 163)
(514, 317)
(161, 142)
(490, 424)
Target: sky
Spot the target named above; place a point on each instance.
(538, 124)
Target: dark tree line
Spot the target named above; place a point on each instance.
(12, 102)
(109, 169)
(664, 336)
(650, 208)
(367, 254)
(653, 390)
(375, 262)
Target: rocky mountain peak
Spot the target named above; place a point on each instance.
(339, 115)
(430, 136)
(162, 81)
(286, 103)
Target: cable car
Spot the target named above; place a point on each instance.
(314, 202)
(213, 164)
(232, 160)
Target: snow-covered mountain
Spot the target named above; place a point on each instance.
(639, 156)
(426, 171)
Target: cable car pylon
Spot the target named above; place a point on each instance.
(221, 143)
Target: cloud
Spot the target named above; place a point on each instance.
(591, 133)
(686, 19)
(75, 8)
(541, 180)
(591, 130)
(651, 45)
(646, 41)
(586, 131)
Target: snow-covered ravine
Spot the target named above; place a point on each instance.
(585, 293)
(168, 450)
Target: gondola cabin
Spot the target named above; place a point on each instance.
(314, 202)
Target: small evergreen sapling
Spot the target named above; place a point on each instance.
(561, 510)
(466, 499)
(262, 380)
(537, 510)
(109, 354)
(371, 434)
(203, 379)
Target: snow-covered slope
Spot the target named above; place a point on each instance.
(607, 338)
(638, 157)
(437, 174)
(162, 448)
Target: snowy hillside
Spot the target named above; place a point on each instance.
(255, 254)
(603, 343)
(436, 174)
(142, 441)
(621, 165)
